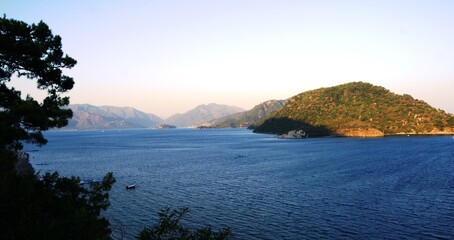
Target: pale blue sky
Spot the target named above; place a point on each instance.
(165, 57)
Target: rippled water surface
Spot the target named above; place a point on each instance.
(267, 188)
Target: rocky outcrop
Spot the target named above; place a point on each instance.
(435, 131)
(360, 132)
(164, 126)
(294, 134)
(22, 165)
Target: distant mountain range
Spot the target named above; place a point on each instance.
(246, 118)
(87, 116)
(201, 114)
(356, 109)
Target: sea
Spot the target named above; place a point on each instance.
(262, 187)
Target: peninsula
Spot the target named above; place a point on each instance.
(357, 109)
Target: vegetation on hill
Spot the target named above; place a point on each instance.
(247, 118)
(357, 109)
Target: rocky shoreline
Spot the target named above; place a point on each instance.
(364, 133)
(294, 134)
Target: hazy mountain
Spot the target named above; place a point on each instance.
(201, 114)
(246, 118)
(357, 109)
(155, 118)
(133, 115)
(87, 116)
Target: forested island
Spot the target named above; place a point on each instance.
(356, 109)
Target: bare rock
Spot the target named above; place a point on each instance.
(293, 134)
(360, 132)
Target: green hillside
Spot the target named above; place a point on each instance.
(246, 118)
(357, 109)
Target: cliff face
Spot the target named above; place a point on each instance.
(358, 110)
(360, 132)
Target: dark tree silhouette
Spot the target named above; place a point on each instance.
(33, 206)
(31, 51)
(53, 207)
(169, 227)
(50, 206)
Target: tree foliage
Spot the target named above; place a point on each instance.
(170, 228)
(50, 206)
(53, 207)
(33, 206)
(33, 52)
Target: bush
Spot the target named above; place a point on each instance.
(169, 227)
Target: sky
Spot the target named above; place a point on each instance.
(166, 57)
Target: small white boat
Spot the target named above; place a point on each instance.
(130, 186)
(88, 181)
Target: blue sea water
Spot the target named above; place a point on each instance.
(267, 188)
